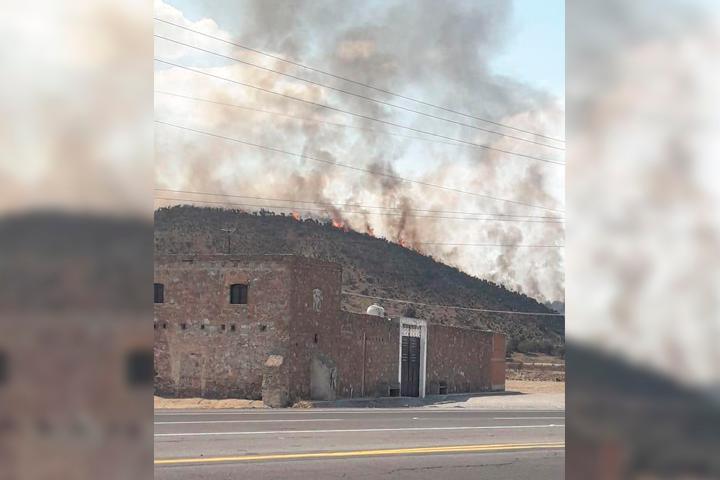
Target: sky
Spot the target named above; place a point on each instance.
(535, 49)
(495, 60)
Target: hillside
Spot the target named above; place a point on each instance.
(371, 266)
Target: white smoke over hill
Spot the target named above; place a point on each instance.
(441, 56)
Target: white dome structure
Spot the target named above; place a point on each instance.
(376, 310)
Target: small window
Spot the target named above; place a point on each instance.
(238, 294)
(183, 326)
(159, 293)
(139, 367)
(315, 338)
(232, 328)
(222, 327)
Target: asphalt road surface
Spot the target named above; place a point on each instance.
(315, 444)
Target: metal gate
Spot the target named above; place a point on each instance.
(410, 367)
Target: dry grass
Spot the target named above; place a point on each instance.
(536, 358)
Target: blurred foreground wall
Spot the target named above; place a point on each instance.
(75, 240)
(643, 283)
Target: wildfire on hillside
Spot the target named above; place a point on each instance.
(296, 216)
(340, 224)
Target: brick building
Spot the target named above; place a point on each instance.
(271, 327)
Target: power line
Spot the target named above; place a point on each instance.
(315, 120)
(511, 312)
(487, 245)
(346, 212)
(345, 79)
(448, 244)
(359, 115)
(371, 172)
(354, 205)
(364, 97)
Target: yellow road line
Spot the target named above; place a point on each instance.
(366, 453)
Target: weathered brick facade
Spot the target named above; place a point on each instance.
(205, 346)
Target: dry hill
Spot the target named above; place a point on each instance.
(371, 266)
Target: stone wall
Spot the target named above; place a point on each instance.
(336, 342)
(315, 310)
(364, 349)
(461, 359)
(497, 369)
(206, 347)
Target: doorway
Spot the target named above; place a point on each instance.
(410, 367)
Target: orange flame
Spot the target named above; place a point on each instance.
(340, 225)
(369, 230)
(296, 216)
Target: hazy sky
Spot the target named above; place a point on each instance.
(534, 51)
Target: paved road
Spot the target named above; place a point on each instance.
(413, 443)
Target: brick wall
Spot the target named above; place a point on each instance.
(497, 369)
(207, 347)
(342, 339)
(459, 357)
(310, 327)
(365, 350)
(204, 346)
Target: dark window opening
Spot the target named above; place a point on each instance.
(202, 327)
(183, 326)
(232, 328)
(315, 338)
(159, 290)
(222, 327)
(155, 326)
(164, 325)
(263, 328)
(139, 367)
(238, 294)
(3, 368)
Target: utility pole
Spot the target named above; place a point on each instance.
(227, 244)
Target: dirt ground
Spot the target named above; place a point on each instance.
(534, 376)
(206, 403)
(526, 386)
(536, 367)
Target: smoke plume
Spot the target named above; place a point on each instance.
(441, 56)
